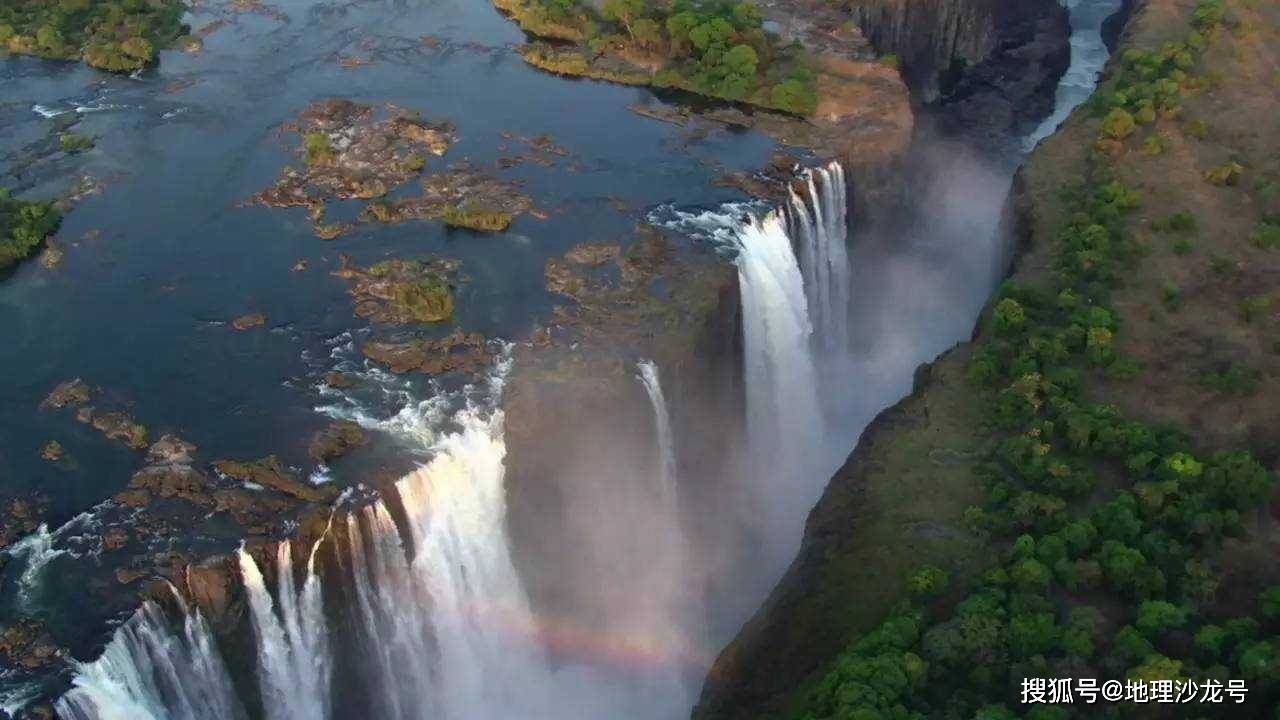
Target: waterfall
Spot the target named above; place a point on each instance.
(785, 427)
(681, 616)
(480, 617)
(393, 619)
(293, 657)
(147, 672)
(818, 228)
(662, 426)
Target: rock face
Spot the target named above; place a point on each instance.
(457, 352)
(337, 439)
(269, 472)
(580, 436)
(1000, 58)
(858, 540)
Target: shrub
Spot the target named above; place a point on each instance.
(1118, 124)
(319, 148)
(1197, 129)
(429, 301)
(1266, 235)
(1225, 174)
(1236, 380)
(477, 219)
(73, 143)
(1155, 145)
(1183, 222)
(1253, 307)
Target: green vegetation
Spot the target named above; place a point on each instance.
(715, 48)
(420, 291)
(1266, 235)
(1235, 380)
(23, 227)
(1251, 308)
(1227, 173)
(477, 219)
(1108, 531)
(73, 142)
(1182, 222)
(119, 36)
(428, 301)
(318, 147)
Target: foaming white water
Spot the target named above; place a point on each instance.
(785, 428)
(45, 111)
(37, 551)
(818, 227)
(293, 657)
(1089, 55)
(480, 616)
(393, 620)
(147, 672)
(16, 697)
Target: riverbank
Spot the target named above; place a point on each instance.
(802, 75)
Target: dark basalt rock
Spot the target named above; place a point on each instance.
(458, 352)
(996, 61)
(337, 439)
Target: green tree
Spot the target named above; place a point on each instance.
(747, 16)
(715, 31)
(1009, 316)
(794, 96)
(928, 581)
(624, 12)
(1156, 617)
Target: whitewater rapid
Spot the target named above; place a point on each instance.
(1089, 54)
(149, 671)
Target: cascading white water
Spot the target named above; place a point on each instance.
(666, 443)
(818, 226)
(392, 609)
(37, 550)
(785, 427)
(147, 672)
(484, 630)
(679, 611)
(293, 658)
